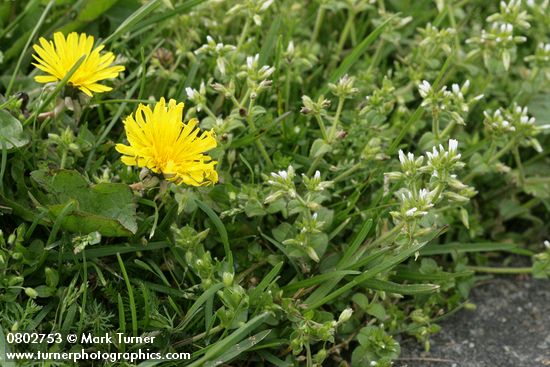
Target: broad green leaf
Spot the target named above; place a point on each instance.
(319, 147)
(538, 187)
(11, 132)
(106, 207)
(376, 310)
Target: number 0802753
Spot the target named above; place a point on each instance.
(33, 338)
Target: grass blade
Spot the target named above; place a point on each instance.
(357, 241)
(209, 293)
(56, 91)
(406, 274)
(404, 289)
(129, 22)
(318, 279)
(239, 348)
(269, 42)
(221, 230)
(354, 56)
(383, 266)
(156, 18)
(467, 247)
(266, 281)
(27, 45)
(133, 312)
(103, 251)
(231, 340)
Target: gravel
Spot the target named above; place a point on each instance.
(509, 328)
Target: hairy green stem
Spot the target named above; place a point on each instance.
(331, 134)
(439, 190)
(322, 127)
(334, 126)
(503, 151)
(435, 123)
(314, 165)
(389, 234)
(347, 172)
(515, 151)
(63, 159)
(209, 112)
(244, 33)
(447, 130)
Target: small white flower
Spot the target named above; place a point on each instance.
(266, 5)
(423, 194)
(345, 315)
(290, 48)
(456, 88)
(424, 88)
(453, 145)
(190, 92)
(410, 212)
(401, 157)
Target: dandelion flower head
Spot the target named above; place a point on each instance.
(58, 57)
(159, 140)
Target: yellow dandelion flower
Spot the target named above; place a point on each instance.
(160, 141)
(58, 57)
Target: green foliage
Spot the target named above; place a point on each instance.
(11, 132)
(376, 348)
(107, 208)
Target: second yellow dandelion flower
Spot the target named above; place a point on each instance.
(58, 57)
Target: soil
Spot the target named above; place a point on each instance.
(509, 328)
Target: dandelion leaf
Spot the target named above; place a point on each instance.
(105, 207)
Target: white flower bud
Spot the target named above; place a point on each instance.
(345, 315)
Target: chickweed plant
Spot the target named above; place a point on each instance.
(342, 174)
